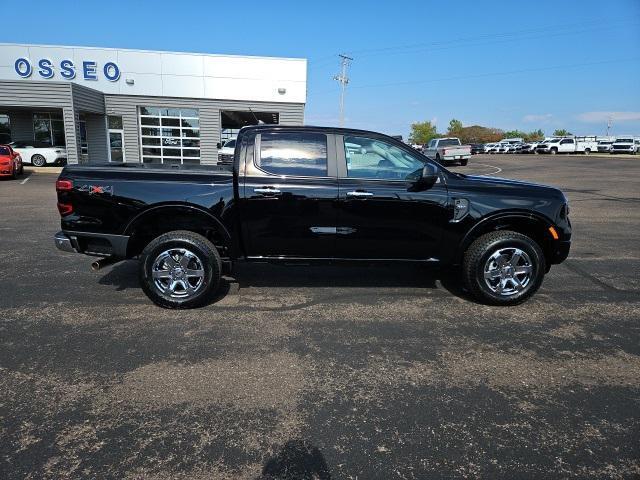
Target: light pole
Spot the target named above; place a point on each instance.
(343, 79)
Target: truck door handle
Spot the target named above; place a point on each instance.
(359, 193)
(267, 191)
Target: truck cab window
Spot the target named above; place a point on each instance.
(373, 158)
(295, 154)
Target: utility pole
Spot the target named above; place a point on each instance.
(608, 125)
(343, 79)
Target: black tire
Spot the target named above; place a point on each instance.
(438, 159)
(553, 151)
(464, 162)
(38, 160)
(15, 173)
(203, 253)
(587, 151)
(479, 255)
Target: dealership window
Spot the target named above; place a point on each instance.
(5, 128)
(84, 145)
(48, 128)
(170, 135)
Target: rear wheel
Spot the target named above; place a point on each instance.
(587, 151)
(180, 269)
(38, 161)
(464, 162)
(503, 268)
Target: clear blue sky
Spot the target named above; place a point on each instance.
(506, 64)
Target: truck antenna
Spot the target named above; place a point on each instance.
(254, 116)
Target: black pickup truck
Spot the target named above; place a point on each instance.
(312, 194)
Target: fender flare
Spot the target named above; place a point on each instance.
(219, 225)
(540, 220)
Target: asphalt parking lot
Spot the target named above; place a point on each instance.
(338, 372)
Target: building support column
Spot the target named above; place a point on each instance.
(72, 135)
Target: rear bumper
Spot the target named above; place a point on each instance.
(94, 244)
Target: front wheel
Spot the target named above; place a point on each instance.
(503, 268)
(553, 151)
(464, 162)
(180, 269)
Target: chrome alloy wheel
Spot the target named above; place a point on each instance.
(178, 273)
(508, 271)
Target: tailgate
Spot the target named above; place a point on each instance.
(457, 150)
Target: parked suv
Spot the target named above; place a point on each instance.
(300, 194)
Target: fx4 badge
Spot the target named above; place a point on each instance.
(97, 189)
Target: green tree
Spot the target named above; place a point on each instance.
(561, 132)
(534, 136)
(515, 134)
(422, 132)
(455, 126)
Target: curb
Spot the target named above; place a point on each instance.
(54, 170)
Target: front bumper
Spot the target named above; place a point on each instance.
(93, 244)
(560, 251)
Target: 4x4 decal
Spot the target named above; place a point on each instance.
(97, 189)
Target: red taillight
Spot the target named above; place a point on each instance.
(65, 209)
(64, 185)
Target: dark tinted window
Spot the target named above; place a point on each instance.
(4, 151)
(298, 154)
(448, 142)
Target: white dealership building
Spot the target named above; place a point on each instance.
(120, 105)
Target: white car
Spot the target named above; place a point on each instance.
(228, 147)
(226, 151)
(488, 147)
(39, 155)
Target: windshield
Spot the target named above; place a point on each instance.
(4, 151)
(448, 142)
(624, 140)
(230, 144)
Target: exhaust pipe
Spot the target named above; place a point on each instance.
(101, 263)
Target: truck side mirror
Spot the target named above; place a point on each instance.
(429, 175)
(426, 179)
(218, 145)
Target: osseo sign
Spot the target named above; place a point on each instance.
(88, 69)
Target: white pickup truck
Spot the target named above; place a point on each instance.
(584, 145)
(450, 149)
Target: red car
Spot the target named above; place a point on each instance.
(10, 162)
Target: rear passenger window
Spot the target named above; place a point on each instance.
(297, 154)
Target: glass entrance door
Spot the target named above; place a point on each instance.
(116, 139)
(116, 146)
